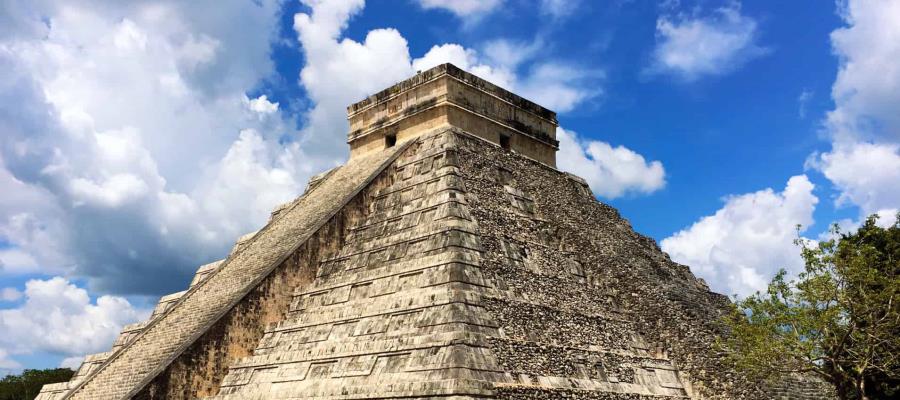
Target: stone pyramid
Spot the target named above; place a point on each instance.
(447, 259)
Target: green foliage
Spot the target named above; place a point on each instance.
(27, 385)
(838, 320)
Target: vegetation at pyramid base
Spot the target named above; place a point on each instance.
(27, 385)
(839, 319)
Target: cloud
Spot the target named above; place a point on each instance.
(866, 174)
(462, 8)
(802, 101)
(559, 8)
(14, 260)
(864, 127)
(340, 71)
(510, 53)
(7, 364)
(696, 46)
(866, 90)
(261, 105)
(10, 294)
(58, 317)
(117, 124)
(739, 248)
(610, 171)
(556, 85)
(71, 362)
(467, 59)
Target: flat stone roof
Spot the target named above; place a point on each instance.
(454, 71)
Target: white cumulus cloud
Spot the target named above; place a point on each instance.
(866, 90)
(58, 317)
(262, 104)
(866, 174)
(610, 171)
(690, 47)
(864, 127)
(740, 247)
(71, 362)
(340, 71)
(119, 120)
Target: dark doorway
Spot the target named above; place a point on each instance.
(504, 141)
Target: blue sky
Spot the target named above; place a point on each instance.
(138, 141)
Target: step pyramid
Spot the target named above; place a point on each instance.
(447, 259)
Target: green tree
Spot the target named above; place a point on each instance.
(839, 319)
(27, 385)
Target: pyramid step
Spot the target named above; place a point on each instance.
(443, 197)
(339, 275)
(418, 186)
(439, 232)
(443, 347)
(611, 391)
(165, 303)
(449, 202)
(450, 308)
(90, 363)
(421, 282)
(129, 332)
(343, 277)
(242, 242)
(54, 391)
(315, 180)
(448, 384)
(205, 271)
(302, 340)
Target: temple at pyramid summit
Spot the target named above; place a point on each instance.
(447, 259)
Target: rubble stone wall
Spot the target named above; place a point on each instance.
(586, 296)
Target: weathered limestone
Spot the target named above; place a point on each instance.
(443, 265)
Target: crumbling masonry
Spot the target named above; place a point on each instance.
(447, 259)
